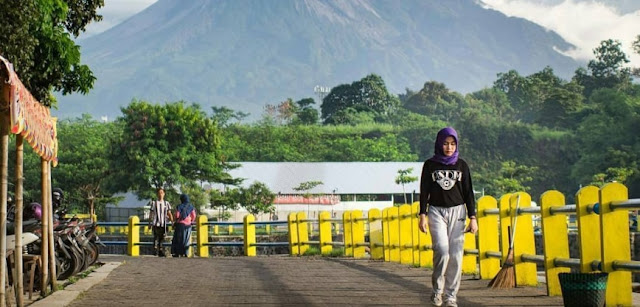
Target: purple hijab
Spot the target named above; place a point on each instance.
(438, 153)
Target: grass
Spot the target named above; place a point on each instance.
(74, 279)
(312, 251)
(337, 252)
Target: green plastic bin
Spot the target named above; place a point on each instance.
(583, 289)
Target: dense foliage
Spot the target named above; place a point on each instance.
(36, 37)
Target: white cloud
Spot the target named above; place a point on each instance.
(582, 23)
(114, 12)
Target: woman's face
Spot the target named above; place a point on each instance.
(449, 146)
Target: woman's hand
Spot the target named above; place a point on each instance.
(473, 226)
(422, 224)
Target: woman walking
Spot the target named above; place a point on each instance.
(185, 215)
(446, 191)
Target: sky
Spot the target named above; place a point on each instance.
(583, 23)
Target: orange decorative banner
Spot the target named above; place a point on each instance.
(29, 118)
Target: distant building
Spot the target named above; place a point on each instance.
(345, 186)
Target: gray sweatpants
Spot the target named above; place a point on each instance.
(446, 226)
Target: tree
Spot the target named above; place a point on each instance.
(512, 178)
(613, 174)
(305, 113)
(636, 49)
(608, 137)
(36, 38)
(306, 187)
(606, 70)
(223, 115)
(166, 146)
(257, 198)
(83, 170)
(404, 178)
(224, 201)
(366, 95)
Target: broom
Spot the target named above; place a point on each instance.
(506, 277)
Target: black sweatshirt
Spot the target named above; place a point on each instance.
(446, 186)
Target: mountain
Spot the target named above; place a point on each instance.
(244, 54)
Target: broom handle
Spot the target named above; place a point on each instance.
(515, 220)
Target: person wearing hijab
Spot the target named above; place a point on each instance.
(185, 214)
(446, 198)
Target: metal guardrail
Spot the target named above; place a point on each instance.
(626, 265)
(533, 258)
(626, 204)
(471, 252)
(567, 262)
(115, 243)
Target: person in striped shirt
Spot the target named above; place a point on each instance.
(160, 213)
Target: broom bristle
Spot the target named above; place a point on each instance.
(506, 277)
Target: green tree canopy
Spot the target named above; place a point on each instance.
(607, 70)
(257, 198)
(166, 146)
(36, 37)
(83, 170)
(404, 178)
(369, 94)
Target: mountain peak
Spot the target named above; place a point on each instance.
(244, 54)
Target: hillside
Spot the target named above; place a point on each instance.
(244, 54)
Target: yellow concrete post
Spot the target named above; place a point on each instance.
(216, 230)
(426, 248)
(524, 242)
(615, 243)
(505, 225)
(267, 229)
(249, 235)
(405, 234)
(469, 261)
(292, 224)
(386, 249)
(303, 233)
(202, 236)
(588, 227)
(357, 233)
(324, 236)
(230, 229)
(134, 236)
(348, 236)
(555, 239)
(488, 238)
(415, 234)
(375, 235)
(394, 235)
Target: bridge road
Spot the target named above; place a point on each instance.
(284, 281)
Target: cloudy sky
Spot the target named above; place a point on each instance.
(583, 23)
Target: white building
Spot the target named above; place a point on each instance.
(345, 185)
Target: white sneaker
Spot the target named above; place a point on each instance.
(436, 299)
(451, 303)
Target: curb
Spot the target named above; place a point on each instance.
(65, 296)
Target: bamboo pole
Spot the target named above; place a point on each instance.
(45, 229)
(52, 255)
(4, 161)
(19, 280)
